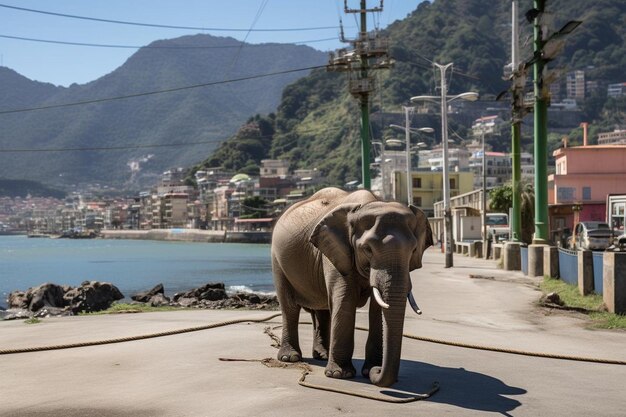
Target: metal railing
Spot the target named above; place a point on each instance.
(568, 266)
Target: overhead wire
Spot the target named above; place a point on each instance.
(242, 44)
(98, 45)
(162, 26)
(143, 146)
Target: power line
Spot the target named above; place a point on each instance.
(99, 45)
(149, 93)
(143, 146)
(156, 25)
(107, 148)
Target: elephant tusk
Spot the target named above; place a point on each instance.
(414, 305)
(379, 298)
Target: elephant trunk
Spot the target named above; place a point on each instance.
(393, 324)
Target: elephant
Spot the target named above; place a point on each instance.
(333, 252)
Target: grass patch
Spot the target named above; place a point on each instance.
(119, 308)
(605, 320)
(570, 295)
(593, 303)
(32, 320)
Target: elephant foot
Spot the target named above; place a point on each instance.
(288, 354)
(335, 371)
(320, 352)
(367, 366)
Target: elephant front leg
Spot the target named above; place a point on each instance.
(374, 344)
(321, 333)
(343, 312)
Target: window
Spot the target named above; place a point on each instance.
(417, 183)
(452, 183)
(417, 201)
(586, 193)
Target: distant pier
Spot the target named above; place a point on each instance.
(190, 235)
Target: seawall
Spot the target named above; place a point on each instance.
(190, 235)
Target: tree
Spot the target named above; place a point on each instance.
(253, 208)
(501, 200)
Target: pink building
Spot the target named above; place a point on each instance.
(585, 176)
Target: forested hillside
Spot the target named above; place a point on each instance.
(317, 121)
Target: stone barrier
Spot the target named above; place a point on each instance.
(614, 281)
(585, 272)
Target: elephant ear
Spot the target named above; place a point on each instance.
(332, 237)
(424, 236)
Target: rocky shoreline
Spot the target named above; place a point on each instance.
(52, 300)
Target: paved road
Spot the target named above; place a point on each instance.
(182, 375)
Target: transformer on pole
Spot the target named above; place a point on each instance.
(369, 51)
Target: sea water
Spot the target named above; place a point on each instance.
(132, 265)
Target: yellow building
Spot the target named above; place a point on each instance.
(427, 187)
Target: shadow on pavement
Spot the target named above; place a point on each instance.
(458, 386)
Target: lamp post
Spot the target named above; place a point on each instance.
(407, 140)
(445, 99)
(484, 189)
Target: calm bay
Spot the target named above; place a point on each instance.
(132, 265)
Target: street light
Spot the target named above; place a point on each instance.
(407, 132)
(445, 99)
(484, 191)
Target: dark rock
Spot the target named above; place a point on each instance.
(212, 292)
(17, 299)
(46, 295)
(35, 298)
(92, 296)
(553, 298)
(53, 312)
(187, 302)
(145, 296)
(17, 314)
(251, 298)
(159, 300)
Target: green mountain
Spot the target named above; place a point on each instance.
(317, 122)
(23, 188)
(206, 114)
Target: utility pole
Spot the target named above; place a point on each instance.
(447, 216)
(367, 47)
(484, 193)
(540, 132)
(407, 139)
(517, 115)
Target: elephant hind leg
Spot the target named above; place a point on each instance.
(289, 350)
(321, 333)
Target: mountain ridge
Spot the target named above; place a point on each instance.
(204, 114)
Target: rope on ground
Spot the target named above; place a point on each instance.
(134, 338)
(514, 351)
(230, 322)
(306, 370)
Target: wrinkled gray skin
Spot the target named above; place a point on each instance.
(327, 253)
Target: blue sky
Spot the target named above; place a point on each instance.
(65, 64)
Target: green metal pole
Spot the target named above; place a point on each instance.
(541, 137)
(516, 218)
(516, 224)
(365, 112)
(365, 142)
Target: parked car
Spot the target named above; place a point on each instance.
(497, 226)
(591, 236)
(619, 244)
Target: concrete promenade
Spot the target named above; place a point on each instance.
(182, 375)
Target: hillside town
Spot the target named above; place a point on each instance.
(221, 200)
